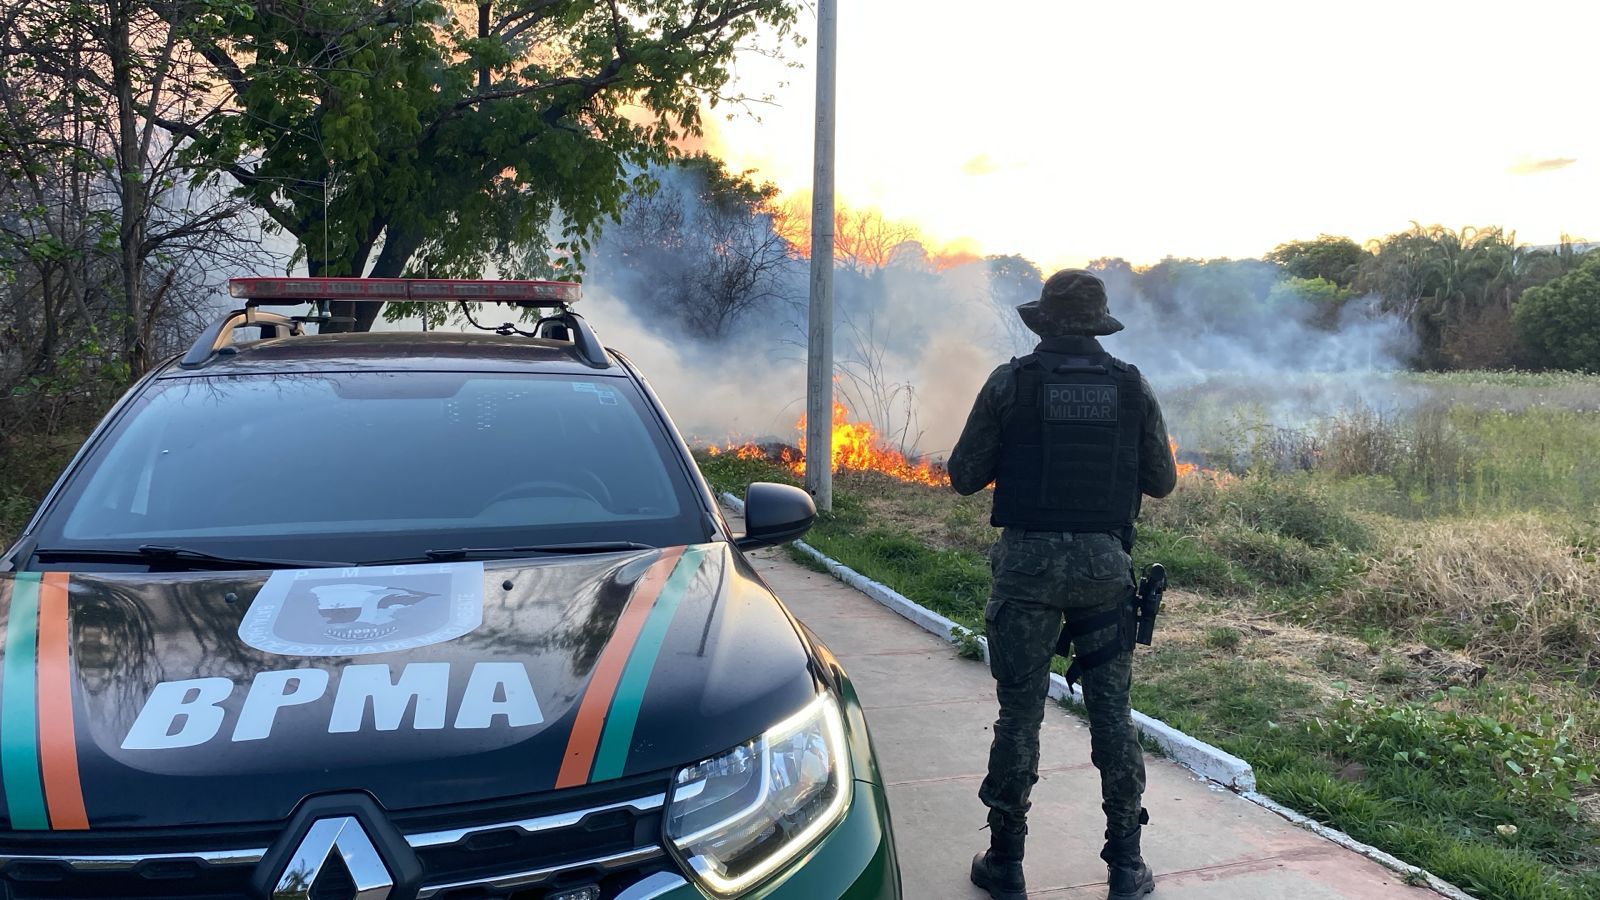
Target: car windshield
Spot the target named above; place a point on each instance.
(377, 466)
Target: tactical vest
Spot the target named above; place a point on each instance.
(1069, 449)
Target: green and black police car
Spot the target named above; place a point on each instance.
(433, 615)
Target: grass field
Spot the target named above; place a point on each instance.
(1397, 630)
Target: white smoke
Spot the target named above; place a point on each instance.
(913, 343)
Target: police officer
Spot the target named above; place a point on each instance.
(1070, 436)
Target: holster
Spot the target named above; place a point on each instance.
(1124, 615)
(1135, 621)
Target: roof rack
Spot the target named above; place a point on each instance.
(561, 325)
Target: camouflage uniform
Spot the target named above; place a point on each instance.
(1043, 578)
(1040, 577)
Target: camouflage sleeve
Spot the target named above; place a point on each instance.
(1158, 472)
(977, 453)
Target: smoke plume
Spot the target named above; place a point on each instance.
(915, 340)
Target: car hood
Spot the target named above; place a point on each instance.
(194, 699)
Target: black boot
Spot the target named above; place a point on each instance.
(1126, 873)
(999, 869)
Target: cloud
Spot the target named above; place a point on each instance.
(1527, 166)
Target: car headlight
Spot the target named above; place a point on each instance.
(739, 816)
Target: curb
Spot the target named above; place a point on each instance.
(1388, 861)
(1209, 762)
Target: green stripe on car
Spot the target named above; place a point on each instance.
(19, 709)
(618, 735)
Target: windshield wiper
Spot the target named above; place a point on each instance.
(158, 553)
(461, 553)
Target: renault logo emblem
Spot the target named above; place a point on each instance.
(344, 836)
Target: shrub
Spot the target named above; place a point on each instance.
(1295, 508)
(1191, 565)
(1361, 441)
(1515, 588)
(1221, 637)
(1279, 561)
(1558, 323)
(1537, 765)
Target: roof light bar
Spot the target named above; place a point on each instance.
(294, 291)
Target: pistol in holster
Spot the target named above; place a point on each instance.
(1135, 621)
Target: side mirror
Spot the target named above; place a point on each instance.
(774, 514)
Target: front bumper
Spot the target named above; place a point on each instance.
(855, 861)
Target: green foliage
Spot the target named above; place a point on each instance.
(1221, 637)
(1296, 507)
(1536, 766)
(949, 582)
(1411, 445)
(967, 646)
(30, 462)
(1258, 535)
(1430, 780)
(1190, 563)
(1457, 288)
(727, 472)
(369, 127)
(1221, 294)
(1274, 559)
(1329, 259)
(1559, 323)
(1326, 298)
(1339, 762)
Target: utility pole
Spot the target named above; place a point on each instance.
(819, 338)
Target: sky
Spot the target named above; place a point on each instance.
(1066, 131)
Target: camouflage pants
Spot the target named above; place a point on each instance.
(1040, 578)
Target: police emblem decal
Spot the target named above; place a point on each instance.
(351, 612)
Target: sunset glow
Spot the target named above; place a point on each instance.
(1069, 131)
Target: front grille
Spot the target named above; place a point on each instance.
(610, 839)
(517, 849)
(197, 876)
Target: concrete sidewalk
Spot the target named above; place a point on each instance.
(931, 712)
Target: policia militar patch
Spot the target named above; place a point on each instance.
(1092, 404)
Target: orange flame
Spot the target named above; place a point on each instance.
(856, 448)
(1183, 467)
(1217, 476)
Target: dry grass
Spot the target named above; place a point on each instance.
(937, 517)
(1330, 665)
(1514, 589)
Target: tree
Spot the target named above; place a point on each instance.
(1013, 281)
(384, 135)
(1333, 259)
(1456, 288)
(110, 253)
(864, 240)
(1324, 298)
(700, 246)
(1558, 324)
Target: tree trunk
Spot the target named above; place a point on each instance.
(483, 32)
(399, 245)
(364, 314)
(132, 187)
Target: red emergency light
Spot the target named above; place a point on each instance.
(294, 291)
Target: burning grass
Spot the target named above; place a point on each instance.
(856, 447)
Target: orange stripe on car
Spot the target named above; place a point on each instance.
(578, 759)
(58, 743)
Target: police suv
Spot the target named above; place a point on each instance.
(432, 615)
